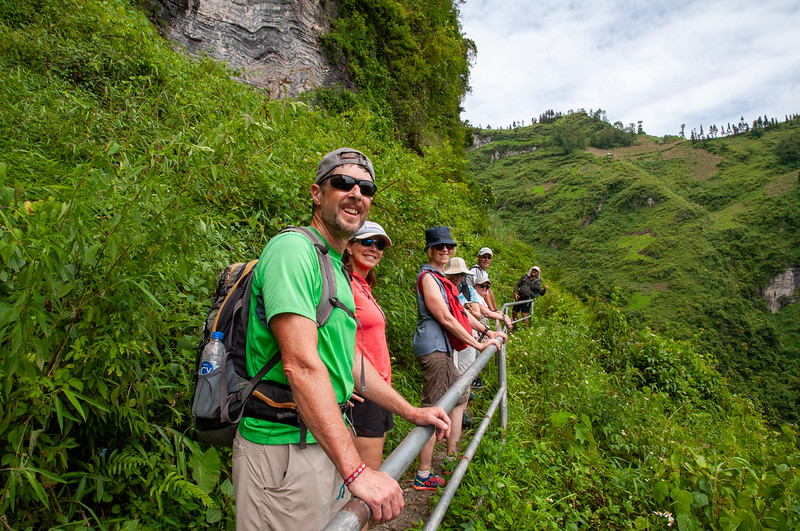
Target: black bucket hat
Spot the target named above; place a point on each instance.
(437, 235)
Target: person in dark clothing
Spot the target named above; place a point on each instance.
(528, 287)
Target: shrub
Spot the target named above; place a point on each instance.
(788, 149)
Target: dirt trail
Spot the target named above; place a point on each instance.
(416, 510)
(418, 506)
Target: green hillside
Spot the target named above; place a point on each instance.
(689, 232)
(131, 174)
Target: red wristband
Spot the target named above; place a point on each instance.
(352, 477)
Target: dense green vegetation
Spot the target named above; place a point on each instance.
(611, 428)
(410, 63)
(689, 231)
(130, 175)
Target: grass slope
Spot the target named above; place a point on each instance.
(689, 232)
(130, 176)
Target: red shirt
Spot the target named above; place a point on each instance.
(371, 334)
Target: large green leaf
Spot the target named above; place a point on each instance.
(206, 469)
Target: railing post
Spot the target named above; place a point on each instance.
(517, 303)
(502, 379)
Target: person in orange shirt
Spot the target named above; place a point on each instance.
(369, 421)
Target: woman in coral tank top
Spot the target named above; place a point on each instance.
(369, 421)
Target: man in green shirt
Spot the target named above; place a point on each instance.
(278, 485)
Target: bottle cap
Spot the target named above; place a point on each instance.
(217, 335)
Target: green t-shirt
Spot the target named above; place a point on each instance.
(289, 278)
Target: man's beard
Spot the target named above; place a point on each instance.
(331, 219)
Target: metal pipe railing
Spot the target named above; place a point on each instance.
(502, 378)
(437, 515)
(507, 305)
(355, 514)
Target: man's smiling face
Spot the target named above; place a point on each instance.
(344, 211)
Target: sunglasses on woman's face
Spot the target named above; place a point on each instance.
(448, 246)
(346, 183)
(483, 286)
(369, 242)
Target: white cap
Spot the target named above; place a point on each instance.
(370, 229)
(485, 250)
(534, 268)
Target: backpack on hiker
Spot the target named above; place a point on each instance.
(223, 396)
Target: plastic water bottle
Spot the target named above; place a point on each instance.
(213, 353)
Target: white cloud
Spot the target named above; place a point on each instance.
(665, 63)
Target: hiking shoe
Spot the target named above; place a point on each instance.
(431, 482)
(466, 421)
(478, 383)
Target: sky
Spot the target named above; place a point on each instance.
(666, 63)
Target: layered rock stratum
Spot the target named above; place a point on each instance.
(274, 44)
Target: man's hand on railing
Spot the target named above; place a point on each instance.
(432, 416)
(382, 493)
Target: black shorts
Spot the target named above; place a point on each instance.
(370, 420)
(524, 308)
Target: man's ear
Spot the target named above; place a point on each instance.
(316, 194)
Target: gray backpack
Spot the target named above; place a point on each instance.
(223, 396)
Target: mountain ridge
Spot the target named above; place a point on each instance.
(674, 223)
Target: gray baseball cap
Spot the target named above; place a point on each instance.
(481, 277)
(342, 156)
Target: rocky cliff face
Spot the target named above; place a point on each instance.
(275, 42)
(783, 289)
(479, 141)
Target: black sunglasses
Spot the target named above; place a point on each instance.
(486, 256)
(346, 183)
(484, 286)
(369, 242)
(440, 246)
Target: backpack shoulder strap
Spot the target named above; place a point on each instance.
(443, 292)
(328, 299)
(437, 277)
